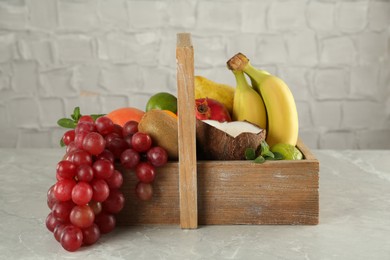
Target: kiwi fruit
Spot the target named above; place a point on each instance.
(162, 128)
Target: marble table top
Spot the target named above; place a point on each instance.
(354, 218)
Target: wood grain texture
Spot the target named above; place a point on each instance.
(232, 192)
(186, 132)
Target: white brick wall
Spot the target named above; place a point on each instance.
(104, 54)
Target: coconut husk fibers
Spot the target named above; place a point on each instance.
(214, 144)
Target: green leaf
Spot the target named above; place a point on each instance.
(96, 116)
(250, 153)
(66, 122)
(76, 114)
(62, 143)
(264, 147)
(268, 154)
(259, 159)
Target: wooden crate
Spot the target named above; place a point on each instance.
(190, 192)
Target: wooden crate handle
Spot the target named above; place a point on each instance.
(186, 132)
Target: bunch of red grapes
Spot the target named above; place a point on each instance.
(86, 196)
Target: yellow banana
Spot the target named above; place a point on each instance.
(247, 103)
(282, 115)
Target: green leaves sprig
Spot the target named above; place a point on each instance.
(262, 153)
(71, 122)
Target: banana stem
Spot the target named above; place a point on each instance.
(240, 79)
(258, 75)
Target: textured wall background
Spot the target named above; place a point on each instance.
(105, 54)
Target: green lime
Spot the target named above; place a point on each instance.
(162, 101)
(288, 151)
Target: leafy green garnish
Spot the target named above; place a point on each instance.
(262, 154)
(250, 153)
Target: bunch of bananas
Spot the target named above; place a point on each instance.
(266, 102)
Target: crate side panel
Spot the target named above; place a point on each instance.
(247, 193)
(163, 208)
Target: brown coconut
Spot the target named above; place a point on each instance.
(216, 144)
(162, 128)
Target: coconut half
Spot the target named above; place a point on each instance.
(227, 140)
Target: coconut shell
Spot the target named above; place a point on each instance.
(215, 144)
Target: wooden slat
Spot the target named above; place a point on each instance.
(186, 132)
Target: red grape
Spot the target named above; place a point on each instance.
(103, 169)
(115, 181)
(95, 206)
(115, 202)
(82, 216)
(118, 129)
(81, 157)
(130, 128)
(84, 173)
(79, 139)
(68, 137)
(71, 238)
(130, 158)
(106, 155)
(86, 118)
(91, 234)
(70, 148)
(58, 231)
(62, 209)
(51, 198)
(85, 127)
(104, 125)
(51, 222)
(82, 193)
(128, 139)
(117, 146)
(100, 190)
(157, 156)
(111, 136)
(106, 222)
(63, 189)
(94, 143)
(141, 142)
(145, 172)
(66, 169)
(144, 191)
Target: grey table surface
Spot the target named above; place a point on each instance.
(354, 218)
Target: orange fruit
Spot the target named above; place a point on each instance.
(122, 115)
(170, 113)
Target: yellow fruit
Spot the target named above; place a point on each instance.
(220, 92)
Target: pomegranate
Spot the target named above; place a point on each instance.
(207, 108)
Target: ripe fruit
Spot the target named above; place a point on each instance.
(86, 197)
(82, 193)
(162, 128)
(122, 115)
(221, 92)
(141, 142)
(288, 151)
(282, 115)
(207, 108)
(157, 156)
(145, 172)
(82, 216)
(94, 143)
(162, 101)
(144, 191)
(71, 238)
